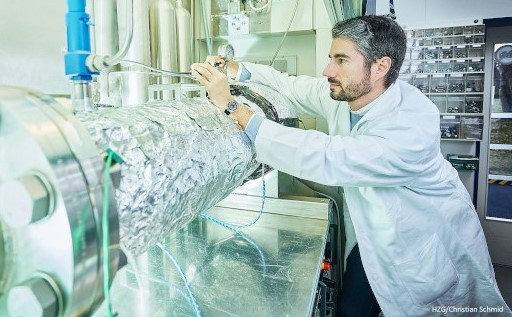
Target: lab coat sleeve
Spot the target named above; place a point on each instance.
(363, 160)
(305, 93)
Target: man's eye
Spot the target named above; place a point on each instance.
(341, 61)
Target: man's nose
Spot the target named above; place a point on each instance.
(329, 71)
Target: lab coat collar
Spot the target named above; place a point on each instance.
(387, 101)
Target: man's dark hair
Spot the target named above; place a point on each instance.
(375, 37)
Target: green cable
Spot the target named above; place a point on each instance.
(106, 236)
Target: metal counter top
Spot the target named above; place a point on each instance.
(268, 269)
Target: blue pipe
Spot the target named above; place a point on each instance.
(79, 41)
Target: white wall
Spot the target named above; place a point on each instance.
(418, 14)
(32, 45)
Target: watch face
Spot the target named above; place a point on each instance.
(232, 105)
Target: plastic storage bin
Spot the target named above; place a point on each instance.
(440, 102)
(416, 68)
(421, 82)
(475, 66)
(479, 29)
(444, 67)
(447, 40)
(455, 104)
(406, 68)
(437, 41)
(419, 33)
(446, 52)
(446, 31)
(438, 84)
(456, 83)
(458, 30)
(475, 83)
(471, 128)
(427, 41)
(431, 53)
(469, 29)
(460, 52)
(476, 52)
(473, 104)
(417, 53)
(458, 40)
(450, 127)
(459, 66)
(478, 39)
(430, 67)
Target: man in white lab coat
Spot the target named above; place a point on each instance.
(420, 240)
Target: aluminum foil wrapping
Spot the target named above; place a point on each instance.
(180, 159)
(281, 104)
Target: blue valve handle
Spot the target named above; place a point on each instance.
(79, 41)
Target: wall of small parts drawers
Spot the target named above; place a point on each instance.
(447, 65)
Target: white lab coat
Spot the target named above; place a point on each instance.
(420, 239)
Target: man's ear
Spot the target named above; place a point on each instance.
(381, 67)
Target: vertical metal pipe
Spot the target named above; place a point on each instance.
(162, 25)
(184, 37)
(106, 40)
(136, 82)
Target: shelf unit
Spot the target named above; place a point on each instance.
(447, 65)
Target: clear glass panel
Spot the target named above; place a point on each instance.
(499, 190)
(501, 131)
(500, 162)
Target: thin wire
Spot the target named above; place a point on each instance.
(238, 227)
(285, 33)
(161, 71)
(112, 60)
(106, 237)
(184, 278)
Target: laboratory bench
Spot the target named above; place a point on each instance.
(271, 268)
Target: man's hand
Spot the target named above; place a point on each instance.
(216, 84)
(218, 61)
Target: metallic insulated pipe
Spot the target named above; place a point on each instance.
(181, 158)
(45, 139)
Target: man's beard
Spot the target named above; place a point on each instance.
(353, 91)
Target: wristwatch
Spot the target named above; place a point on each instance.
(231, 107)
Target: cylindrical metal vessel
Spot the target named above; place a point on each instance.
(162, 25)
(184, 37)
(106, 41)
(138, 51)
